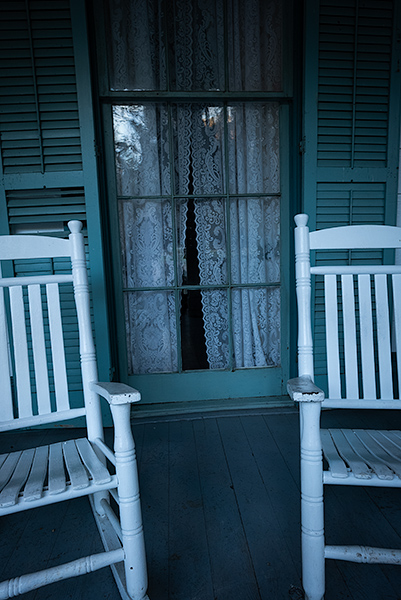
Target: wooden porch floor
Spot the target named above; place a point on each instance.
(220, 501)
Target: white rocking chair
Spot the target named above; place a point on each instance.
(35, 391)
(362, 312)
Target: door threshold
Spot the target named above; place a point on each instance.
(212, 408)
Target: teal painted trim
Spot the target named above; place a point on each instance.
(227, 201)
(393, 142)
(267, 405)
(90, 180)
(208, 385)
(138, 96)
(309, 142)
(119, 344)
(295, 175)
(97, 9)
(286, 216)
(4, 225)
(31, 181)
(288, 41)
(198, 196)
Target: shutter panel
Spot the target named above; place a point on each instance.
(47, 149)
(39, 121)
(351, 125)
(352, 131)
(355, 40)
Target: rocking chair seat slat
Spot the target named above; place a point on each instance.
(369, 438)
(391, 441)
(57, 482)
(2, 459)
(24, 473)
(357, 465)
(77, 473)
(9, 493)
(7, 468)
(338, 467)
(355, 437)
(98, 471)
(34, 485)
(365, 452)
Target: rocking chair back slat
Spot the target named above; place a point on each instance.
(21, 359)
(383, 336)
(39, 349)
(397, 322)
(57, 346)
(6, 412)
(366, 333)
(350, 344)
(333, 361)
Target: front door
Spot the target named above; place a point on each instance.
(196, 133)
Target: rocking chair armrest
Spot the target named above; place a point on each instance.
(302, 389)
(116, 393)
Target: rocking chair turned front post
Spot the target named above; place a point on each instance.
(362, 315)
(35, 391)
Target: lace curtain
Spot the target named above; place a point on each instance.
(212, 150)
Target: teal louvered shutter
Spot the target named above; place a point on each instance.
(39, 111)
(351, 123)
(47, 149)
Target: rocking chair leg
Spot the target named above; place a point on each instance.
(313, 564)
(130, 509)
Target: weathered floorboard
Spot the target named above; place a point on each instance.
(220, 501)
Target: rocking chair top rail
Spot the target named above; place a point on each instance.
(352, 237)
(361, 313)
(18, 247)
(31, 312)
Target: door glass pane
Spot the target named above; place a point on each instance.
(140, 37)
(196, 44)
(198, 149)
(136, 46)
(188, 262)
(211, 240)
(146, 243)
(216, 326)
(256, 318)
(253, 148)
(151, 330)
(255, 45)
(255, 240)
(141, 150)
(193, 342)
